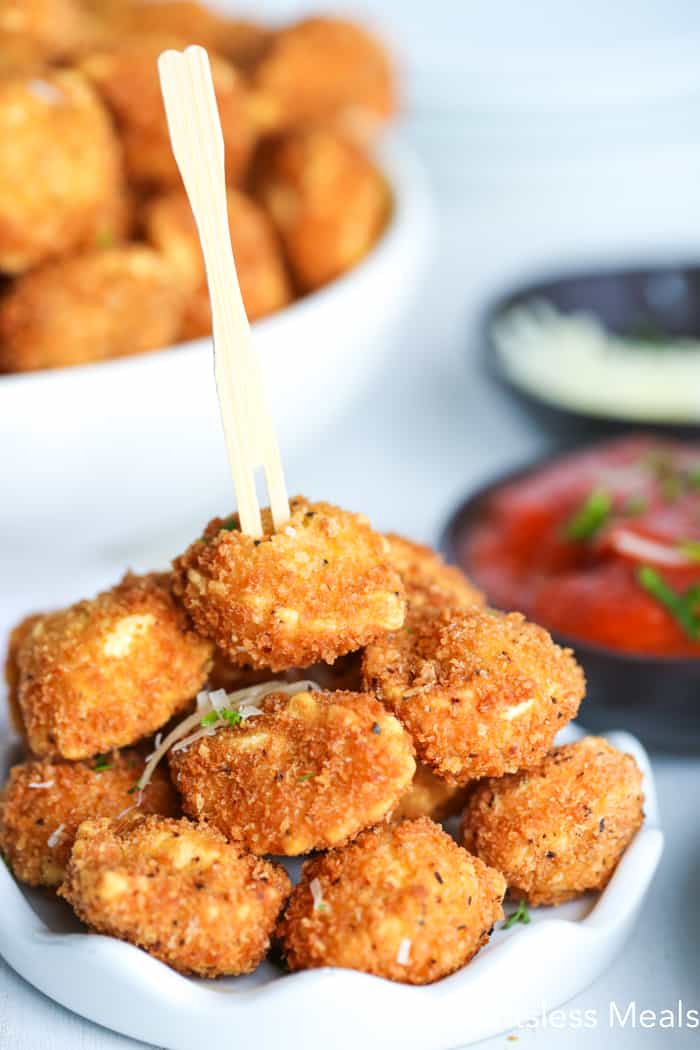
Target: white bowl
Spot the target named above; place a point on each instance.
(80, 444)
(545, 963)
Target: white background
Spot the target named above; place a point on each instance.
(553, 133)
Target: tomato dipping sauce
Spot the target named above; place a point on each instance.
(601, 545)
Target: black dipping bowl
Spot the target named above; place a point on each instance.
(656, 698)
(662, 299)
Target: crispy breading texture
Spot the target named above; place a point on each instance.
(559, 830)
(482, 693)
(404, 902)
(327, 199)
(61, 182)
(91, 307)
(18, 634)
(320, 588)
(126, 75)
(428, 581)
(106, 672)
(180, 892)
(429, 796)
(265, 286)
(309, 773)
(324, 69)
(44, 801)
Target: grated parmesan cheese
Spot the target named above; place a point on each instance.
(55, 836)
(190, 729)
(403, 955)
(317, 894)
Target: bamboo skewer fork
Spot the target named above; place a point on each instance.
(198, 146)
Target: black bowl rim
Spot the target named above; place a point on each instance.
(502, 301)
(467, 507)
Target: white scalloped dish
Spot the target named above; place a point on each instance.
(121, 987)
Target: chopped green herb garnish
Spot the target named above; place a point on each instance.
(134, 789)
(685, 607)
(590, 517)
(694, 477)
(101, 764)
(691, 549)
(521, 914)
(304, 777)
(231, 718)
(226, 714)
(231, 526)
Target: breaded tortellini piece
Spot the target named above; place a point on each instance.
(126, 76)
(482, 693)
(262, 275)
(18, 634)
(91, 307)
(558, 830)
(35, 32)
(45, 800)
(319, 588)
(178, 890)
(107, 671)
(324, 70)
(327, 199)
(426, 577)
(241, 41)
(403, 902)
(308, 773)
(61, 179)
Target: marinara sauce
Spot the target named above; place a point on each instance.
(602, 545)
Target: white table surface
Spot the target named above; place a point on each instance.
(431, 427)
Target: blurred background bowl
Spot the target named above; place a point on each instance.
(139, 439)
(662, 302)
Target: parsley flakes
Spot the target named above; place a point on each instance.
(521, 914)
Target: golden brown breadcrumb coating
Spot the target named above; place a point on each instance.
(320, 588)
(559, 830)
(404, 902)
(240, 41)
(61, 182)
(264, 283)
(126, 75)
(428, 581)
(324, 69)
(44, 801)
(34, 32)
(482, 693)
(19, 633)
(429, 796)
(90, 307)
(309, 773)
(179, 891)
(106, 672)
(327, 199)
